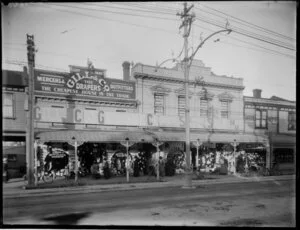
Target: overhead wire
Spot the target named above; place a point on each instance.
(249, 23)
(22, 44)
(24, 63)
(282, 45)
(46, 52)
(218, 24)
(261, 28)
(130, 9)
(243, 32)
(249, 43)
(102, 18)
(275, 52)
(113, 12)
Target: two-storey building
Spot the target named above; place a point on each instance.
(216, 106)
(275, 117)
(13, 100)
(148, 105)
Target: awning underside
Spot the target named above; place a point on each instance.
(94, 136)
(141, 136)
(214, 137)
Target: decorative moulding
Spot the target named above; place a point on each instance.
(204, 94)
(160, 89)
(225, 97)
(181, 91)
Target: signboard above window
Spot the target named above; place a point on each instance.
(82, 83)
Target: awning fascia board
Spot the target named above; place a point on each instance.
(93, 136)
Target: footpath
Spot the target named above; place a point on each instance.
(15, 187)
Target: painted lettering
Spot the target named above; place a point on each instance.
(38, 116)
(46, 88)
(77, 119)
(101, 117)
(70, 83)
(150, 119)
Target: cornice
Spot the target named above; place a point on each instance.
(181, 81)
(160, 89)
(181, 91)
(131, 104)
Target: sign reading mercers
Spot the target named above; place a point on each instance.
(82, 82)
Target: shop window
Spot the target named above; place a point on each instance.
(225, 109)
(292, 121)
(159, 104)
(181, 105)
(284, 155)
(8, 105)
(203, 108)
(261, 119)
(11, 157)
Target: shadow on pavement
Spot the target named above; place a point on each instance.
(67, 219)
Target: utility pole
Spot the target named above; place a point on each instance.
(30, 117)
(186, 23)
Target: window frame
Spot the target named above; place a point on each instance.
(261, 119)
(13, 116)
(227, 109)
(179, 108)
(158, 106)
(292, 114)
(201, 113)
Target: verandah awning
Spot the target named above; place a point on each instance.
(139, 136)
(214, 137)
(93, 136)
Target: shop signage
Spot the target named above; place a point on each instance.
(82, 84)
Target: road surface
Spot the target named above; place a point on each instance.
(269, 203)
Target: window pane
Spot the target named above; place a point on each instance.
(257, 123)
(8, 105)
(264, 114)
(158, 104)
(257, 114)
(203, 108)
(224, 109)
(263, 123)
(7, 111)
(181, 105)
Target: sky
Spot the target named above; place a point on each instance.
(261, 48)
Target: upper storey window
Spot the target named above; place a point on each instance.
(159, 104)
(8, 105)
(181, 105)
(225, 109)
(261, 119)
(203, 107)
(292, 121)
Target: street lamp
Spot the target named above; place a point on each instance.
(234, 144)
(157, 143)
(127, 159)
(127, 144)
(76, 159)
(36, 160)
(198, 144)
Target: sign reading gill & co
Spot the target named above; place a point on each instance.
(82, 84)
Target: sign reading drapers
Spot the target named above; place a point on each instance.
(82, 84)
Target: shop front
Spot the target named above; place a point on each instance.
(101, 146)
(284, 153)
(216, 152)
